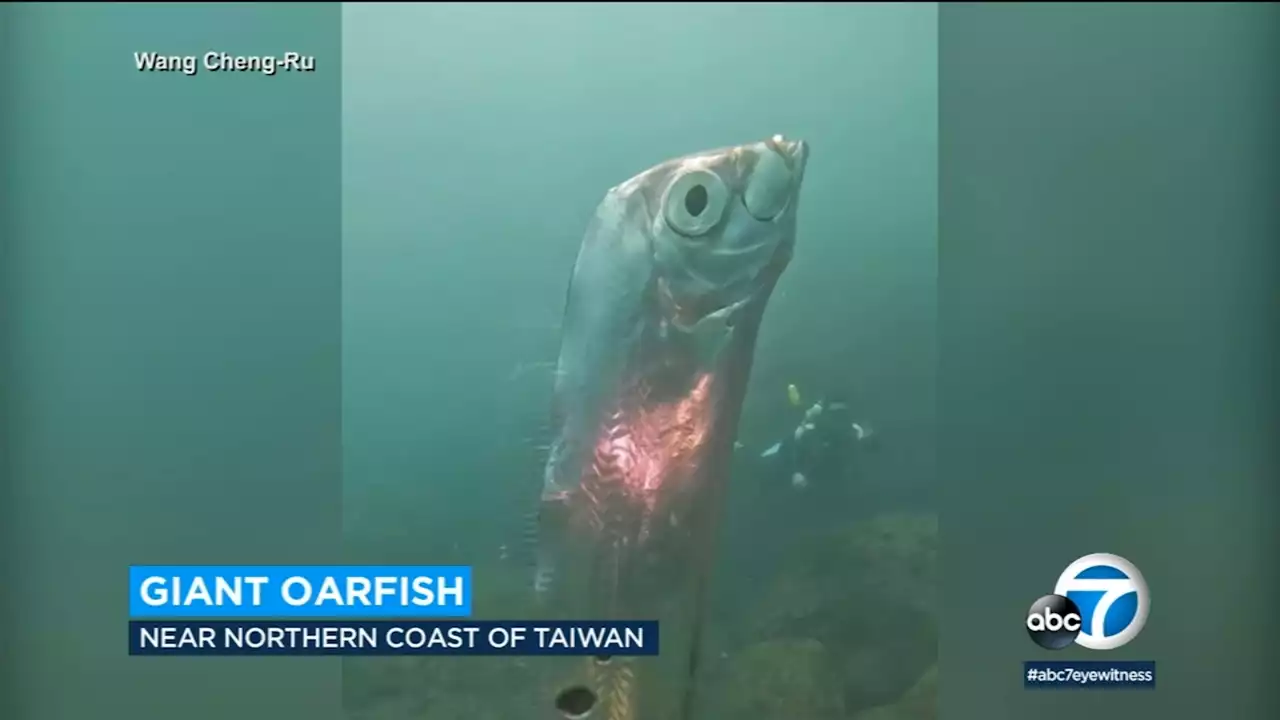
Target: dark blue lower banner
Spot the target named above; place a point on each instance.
(1088, 674)
(391, 637)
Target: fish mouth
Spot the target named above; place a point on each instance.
(794, 152)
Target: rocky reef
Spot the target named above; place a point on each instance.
(918, 703)
(783, 678)
(847, 630)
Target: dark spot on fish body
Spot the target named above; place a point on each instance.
(603, 659)
(696, 200)
(576, 703)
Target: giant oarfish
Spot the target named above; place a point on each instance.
(659, 329)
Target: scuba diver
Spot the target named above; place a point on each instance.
(824, 448)
(802, 486)
(810, 476)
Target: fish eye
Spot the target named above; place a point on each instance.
(695, 202)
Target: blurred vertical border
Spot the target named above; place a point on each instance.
(170, 336)
(1109, 235)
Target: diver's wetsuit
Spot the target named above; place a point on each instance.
(823, 454)
(786, 511)
(820, 460)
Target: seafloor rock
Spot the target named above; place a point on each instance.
(889, 559)
(786, 607)
(924, 694)
(781, 680)
(919, 703)
(375, 682)
(849, 631)
(868, 593)
(431, 688)
(893, 557)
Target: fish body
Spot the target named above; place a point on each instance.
(660, 324)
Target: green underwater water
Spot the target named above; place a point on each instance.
(292, 320)
(476, 144)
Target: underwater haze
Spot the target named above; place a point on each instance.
(477, 142)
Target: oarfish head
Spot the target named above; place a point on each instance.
(675, 268)
(721, 224)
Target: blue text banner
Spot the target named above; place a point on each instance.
(391, 637)
(309, 591)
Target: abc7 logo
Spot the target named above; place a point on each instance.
(1115, 605)
(1053, 622)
